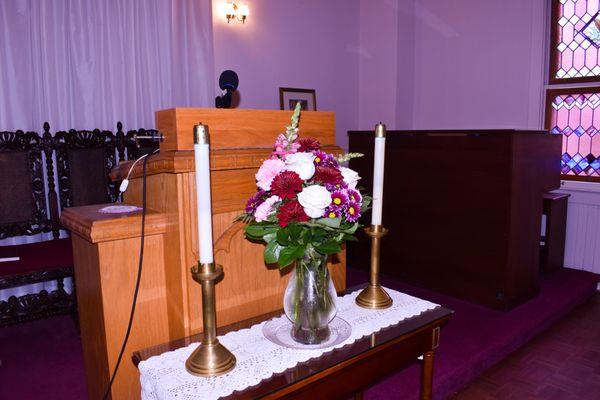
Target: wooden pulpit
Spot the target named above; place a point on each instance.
(169, 305)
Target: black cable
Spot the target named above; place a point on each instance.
(137, 283)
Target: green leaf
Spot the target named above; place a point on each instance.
(350, 238)
(283, 236)
(272, 252)
(255, 231)
(366, 202)
(290, 254)
(330, 222)
(350, 229)
(295, 231)
(329, 247)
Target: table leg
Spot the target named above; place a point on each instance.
(427, 375)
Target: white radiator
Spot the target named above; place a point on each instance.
(582, 247)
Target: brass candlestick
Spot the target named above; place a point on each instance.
(211, 358)
(374, 296)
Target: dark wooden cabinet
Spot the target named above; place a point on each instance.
(463, 209)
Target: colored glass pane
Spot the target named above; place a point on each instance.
(577, 118)
(578, 40)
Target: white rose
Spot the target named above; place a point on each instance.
(350, 176)
(301, 163)
(315, 199)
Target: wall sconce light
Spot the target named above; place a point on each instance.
(237, 11)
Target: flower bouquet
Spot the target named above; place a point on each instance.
(307, 205)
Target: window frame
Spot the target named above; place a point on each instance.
(560, 86)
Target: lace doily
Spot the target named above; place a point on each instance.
(164, 376)
(118, 209)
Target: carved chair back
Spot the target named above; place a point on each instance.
(84, 160)
(23, 205)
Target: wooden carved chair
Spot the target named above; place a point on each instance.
(24, 212)
(84, 160)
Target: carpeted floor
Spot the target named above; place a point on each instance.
(561, 363)
(43, 359)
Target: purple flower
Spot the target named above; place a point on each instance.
(339, 198)
(323, 159)
(332, 212)
(332, 187)
(255, 201)
(354, 196)
(352, 212)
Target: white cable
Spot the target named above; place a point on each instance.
(125, 182)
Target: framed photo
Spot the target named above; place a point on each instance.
(288, 97)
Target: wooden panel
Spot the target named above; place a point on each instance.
(91, 317)
(463, 209)
(118, 271)
(237, 128)
(232, 176)
(175, 162)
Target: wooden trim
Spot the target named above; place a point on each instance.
(554, 56)
(282, 90)
(177, 162)
(581, 178)
(93, 226)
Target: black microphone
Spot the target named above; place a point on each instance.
(228, 82)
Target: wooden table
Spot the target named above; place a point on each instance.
(343, 372)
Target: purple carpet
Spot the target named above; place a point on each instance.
(43, 359)
(478, 337)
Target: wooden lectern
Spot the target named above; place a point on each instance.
(169, 304)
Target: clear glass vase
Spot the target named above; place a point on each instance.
(310, 299)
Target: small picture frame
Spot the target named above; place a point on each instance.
(288, 97)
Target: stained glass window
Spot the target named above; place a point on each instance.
(576, 40)
(577, 118)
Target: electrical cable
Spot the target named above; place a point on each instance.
(125, 183)
(137, 283)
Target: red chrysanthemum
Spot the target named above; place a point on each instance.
(308, 144)
(328, 175)
(286, 184)
(291, 211)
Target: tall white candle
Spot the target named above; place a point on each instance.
(203, 198)
(378, 167)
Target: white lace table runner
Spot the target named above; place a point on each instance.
(165, 377)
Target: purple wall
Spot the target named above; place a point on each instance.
(307, 44)
(386, 65)
(413, 64)
(479, 64)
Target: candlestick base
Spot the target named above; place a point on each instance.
(210, 360)
(374, 297)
